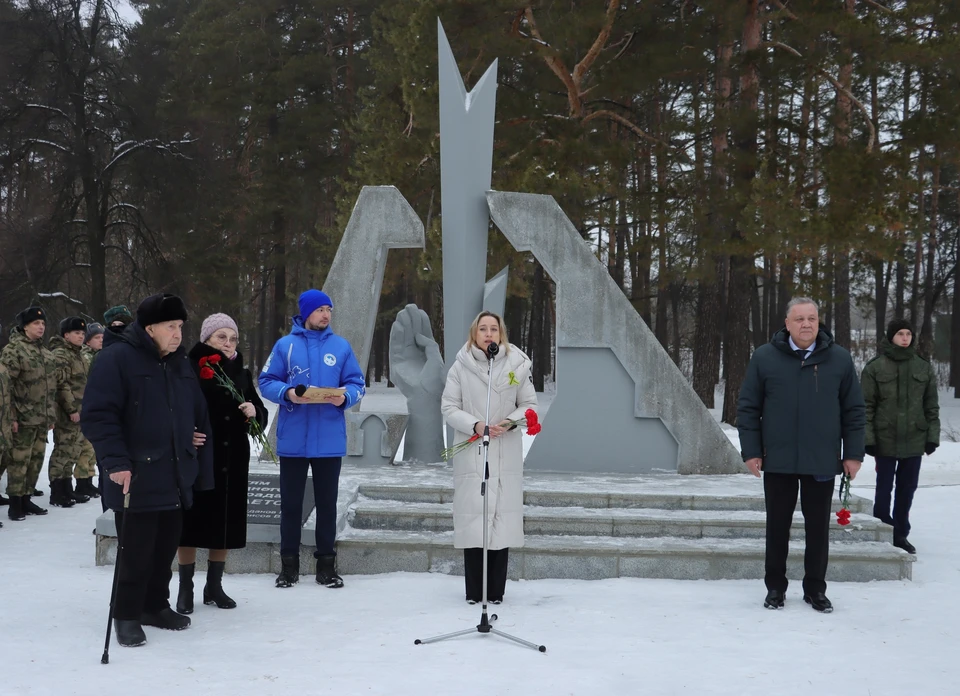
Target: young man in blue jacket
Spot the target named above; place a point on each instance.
(311, 435)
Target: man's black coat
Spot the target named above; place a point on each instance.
(801, 416)
(140, 412)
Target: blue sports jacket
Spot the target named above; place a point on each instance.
(314, 359)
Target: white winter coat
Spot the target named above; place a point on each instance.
(464, 403)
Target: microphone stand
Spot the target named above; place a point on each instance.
(486, 622)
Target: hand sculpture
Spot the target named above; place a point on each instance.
(417, 368)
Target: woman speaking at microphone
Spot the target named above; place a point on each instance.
(464, 409)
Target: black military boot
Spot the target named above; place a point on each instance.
(85, 486)
(327, 572)
(58, 496)
(185, 595)
(76, 496)
(32, 508)
(290, 572)
(213, 591)
(15, 512)
(129, 633)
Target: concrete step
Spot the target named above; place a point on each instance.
(660, 499)
(362, 551)
(612, 522)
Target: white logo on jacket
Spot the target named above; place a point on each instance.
(330, 359)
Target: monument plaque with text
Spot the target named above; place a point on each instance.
(263, 500)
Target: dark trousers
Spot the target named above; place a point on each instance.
(780, 496)
(150, 541)
(496, 573)
(907, 474)
(293, 481)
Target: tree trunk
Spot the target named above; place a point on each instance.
(736, 352)
(925, 344)
(955, 324)
(709, 324)
(841, 140)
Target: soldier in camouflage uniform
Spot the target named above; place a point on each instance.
(92, 343)
(70, 448)
(6, 425)
(33, 385)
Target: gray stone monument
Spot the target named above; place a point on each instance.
(381, 220)
(466, 167)
(622, 405)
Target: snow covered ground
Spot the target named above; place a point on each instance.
(624, 636)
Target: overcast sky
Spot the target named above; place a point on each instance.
(127, 13)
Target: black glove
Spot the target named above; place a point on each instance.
(930, 447)
(871, 450)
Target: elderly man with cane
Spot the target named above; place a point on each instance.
(146, 417)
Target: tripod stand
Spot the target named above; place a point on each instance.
(486, 622)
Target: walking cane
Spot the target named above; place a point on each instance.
(105, 659)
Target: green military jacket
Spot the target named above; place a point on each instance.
(903, 409)
(33, 380)
(6, 411)
(88, 354)
(71, 378)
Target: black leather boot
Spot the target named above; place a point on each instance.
(185, 595)
(166, 619)
(76, 496)
(85, 486)
(213, 591)
(129, 633)
(30, 507)
(290, 572)
(327, 572)
(58, 497)
(15, 511)
(819, 602)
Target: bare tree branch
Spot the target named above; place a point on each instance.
(838, 87)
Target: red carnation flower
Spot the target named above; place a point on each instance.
(206, 372)
(531, 416)
(534, 429)
(213, 359)
(203, 361)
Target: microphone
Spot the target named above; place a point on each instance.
(492, 350)
(300, 389)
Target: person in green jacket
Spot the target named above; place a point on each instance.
(801, 421)
(903, 424)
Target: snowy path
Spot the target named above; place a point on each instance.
(624, 636)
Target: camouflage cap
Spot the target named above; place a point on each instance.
(30, 315)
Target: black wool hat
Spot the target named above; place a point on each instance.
(72, 324)
(30, 315)
(898, 325)
(159, 308)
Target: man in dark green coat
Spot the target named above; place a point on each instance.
(801, 422)
(903, 423)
